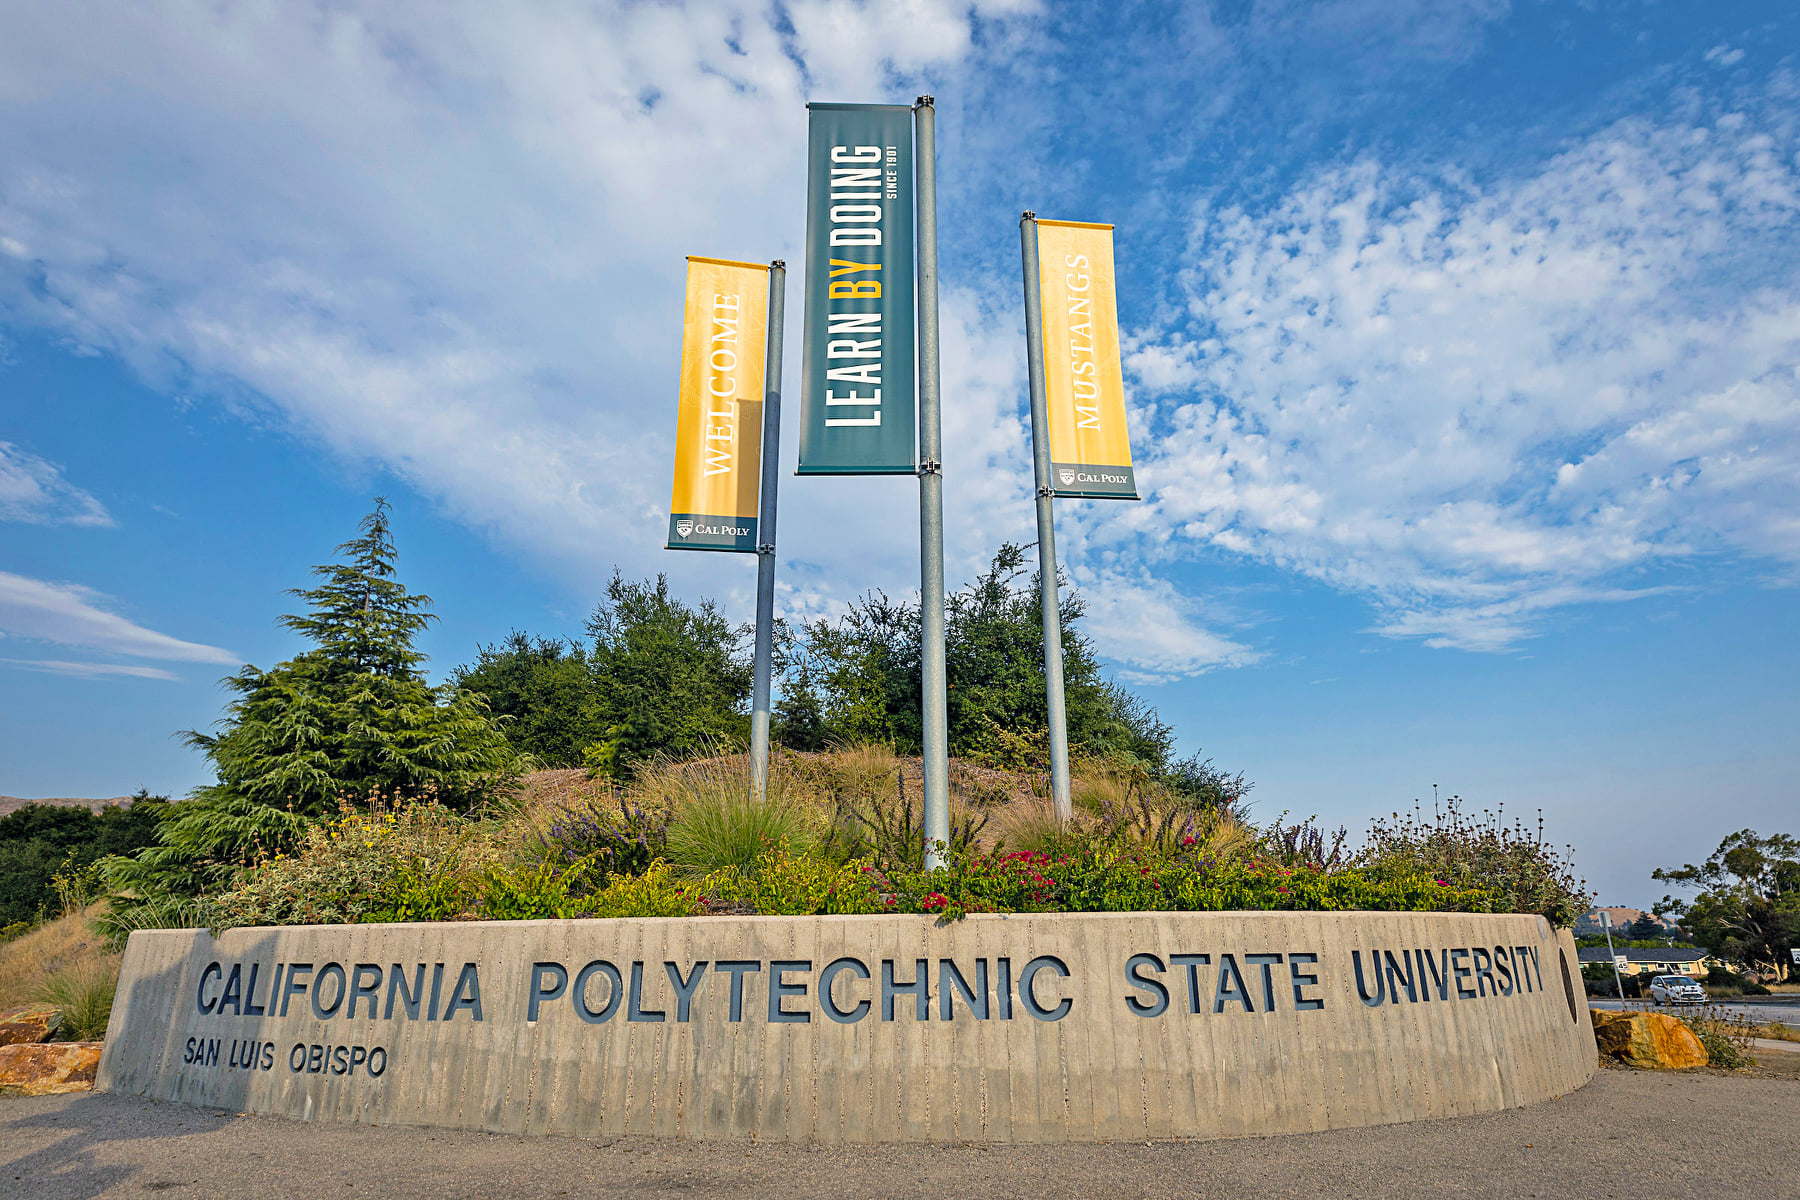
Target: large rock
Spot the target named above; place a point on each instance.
(32, 1024)
(48, 1070)
(1650, 1040)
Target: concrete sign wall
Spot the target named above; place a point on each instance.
(1042, 1028)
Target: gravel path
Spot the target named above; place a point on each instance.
(1627, 1134)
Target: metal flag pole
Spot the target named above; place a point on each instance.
(1046, 520)
(765, 550)
(1606, 924)
(931, 498)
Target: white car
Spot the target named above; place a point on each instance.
(1676, 989)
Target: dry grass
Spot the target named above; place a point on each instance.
(1031, 824)
(544, 796)
(810, 786)
(66, 944)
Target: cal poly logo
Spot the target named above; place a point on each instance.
(1067, 476)
(684, 528)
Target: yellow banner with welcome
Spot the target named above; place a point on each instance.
(1084, 382)
(718, 432)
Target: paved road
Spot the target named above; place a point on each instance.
(1762, 1010)
(1627, 1134)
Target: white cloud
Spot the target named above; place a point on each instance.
(447, 238)
(1478, 404)
(69, 615)
(88, 670)
(454, 246)
(1153, 629)
(34, 491)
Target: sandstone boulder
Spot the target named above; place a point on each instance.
(33, 1024)
(1654, 1041)
(49, 1069)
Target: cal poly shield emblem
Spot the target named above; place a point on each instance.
(684, 528)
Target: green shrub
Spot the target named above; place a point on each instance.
(620, 836)
(420, 859)
(1020, 881)
(1520, 870)
(1098, 875)
(784, 885)
(655, 893)
(546, 891)
(423, 891)
(1725, 1038)
(1261, 885)
(535, 892)
(84, 993)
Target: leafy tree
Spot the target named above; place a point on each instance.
(669, 679)
(544, 688)
(857, 678)
(40, 841)
(1211, 786)
(1645, 929)
(26, 868)
(665, 678)
(1619, 943)
(349, 721)
(661, 678)
(1746, 906)
(798, 709)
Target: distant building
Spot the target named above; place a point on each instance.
(1652, 960)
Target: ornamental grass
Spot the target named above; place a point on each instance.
(842, 833)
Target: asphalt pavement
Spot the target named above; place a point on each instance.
(1763, 1010)
(1626, 1134)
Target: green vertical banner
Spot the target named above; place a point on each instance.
(856, 363)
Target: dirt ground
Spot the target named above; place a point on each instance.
(1626, 1134)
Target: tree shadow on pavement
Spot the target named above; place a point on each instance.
(68, 1165)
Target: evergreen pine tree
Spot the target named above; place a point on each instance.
(362, 619)
(350, 721)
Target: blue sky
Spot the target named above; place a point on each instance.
(1463, 347)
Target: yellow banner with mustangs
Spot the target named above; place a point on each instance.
(718, 434)
(1084, 383)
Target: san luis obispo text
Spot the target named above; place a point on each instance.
(981, 989)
